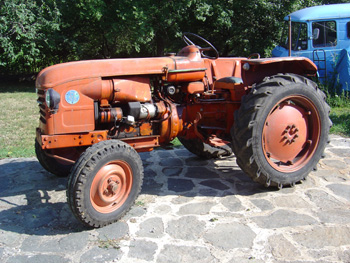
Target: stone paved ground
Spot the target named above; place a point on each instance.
(190, 210)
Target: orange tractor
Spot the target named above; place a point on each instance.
(96, 115)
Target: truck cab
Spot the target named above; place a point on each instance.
(319, 33)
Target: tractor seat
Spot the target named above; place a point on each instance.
(227, 83)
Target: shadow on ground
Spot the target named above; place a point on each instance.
(33, 201)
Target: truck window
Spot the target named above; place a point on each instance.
(299, 36)
(348, 29)
(327, 34)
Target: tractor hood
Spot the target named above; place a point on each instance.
(89, 69)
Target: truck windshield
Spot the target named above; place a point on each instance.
(327, 34)
(299, 36)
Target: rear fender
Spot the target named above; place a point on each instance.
(255, 70)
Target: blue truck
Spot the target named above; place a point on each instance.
(322, 34)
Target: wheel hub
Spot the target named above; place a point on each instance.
(285, 132)
(111, 186)
(290, 134)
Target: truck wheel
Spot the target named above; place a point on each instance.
(281, 130)
(205, 150)
(104, 183)
(50, 164)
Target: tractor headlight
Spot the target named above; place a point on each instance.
(48, 99)
(52, 99)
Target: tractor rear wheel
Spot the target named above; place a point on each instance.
(104, 183)
(281, 130)
(204, 150)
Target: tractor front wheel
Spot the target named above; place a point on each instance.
(104, 183)
(53, 165)
(281, 130)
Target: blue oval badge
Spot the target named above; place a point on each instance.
(72, 96)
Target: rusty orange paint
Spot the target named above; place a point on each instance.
(96, 69)
(291, 133)
(111, 186)
(260, 68)
(70, 140)
(194, 87)
(146, 129)
(222, 67)
(107, 115)
(106, 86)
(143, 143)
(213, 117)
(172, 126)
(237, 90)
(131, 89)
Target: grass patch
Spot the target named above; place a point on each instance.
(140, 203)
(108, 243)
(18, 120)
(341, 121)
(339, 101)
(176, 142)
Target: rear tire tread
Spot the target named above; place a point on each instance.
(246, 120)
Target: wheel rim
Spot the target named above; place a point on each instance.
(291, 133)
(111, 186)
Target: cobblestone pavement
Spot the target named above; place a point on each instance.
(190, 210)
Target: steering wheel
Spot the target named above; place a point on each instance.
(210, 46)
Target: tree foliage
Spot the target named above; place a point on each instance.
(25, 29)
(38, 33)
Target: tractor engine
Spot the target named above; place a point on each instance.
(117, 108)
